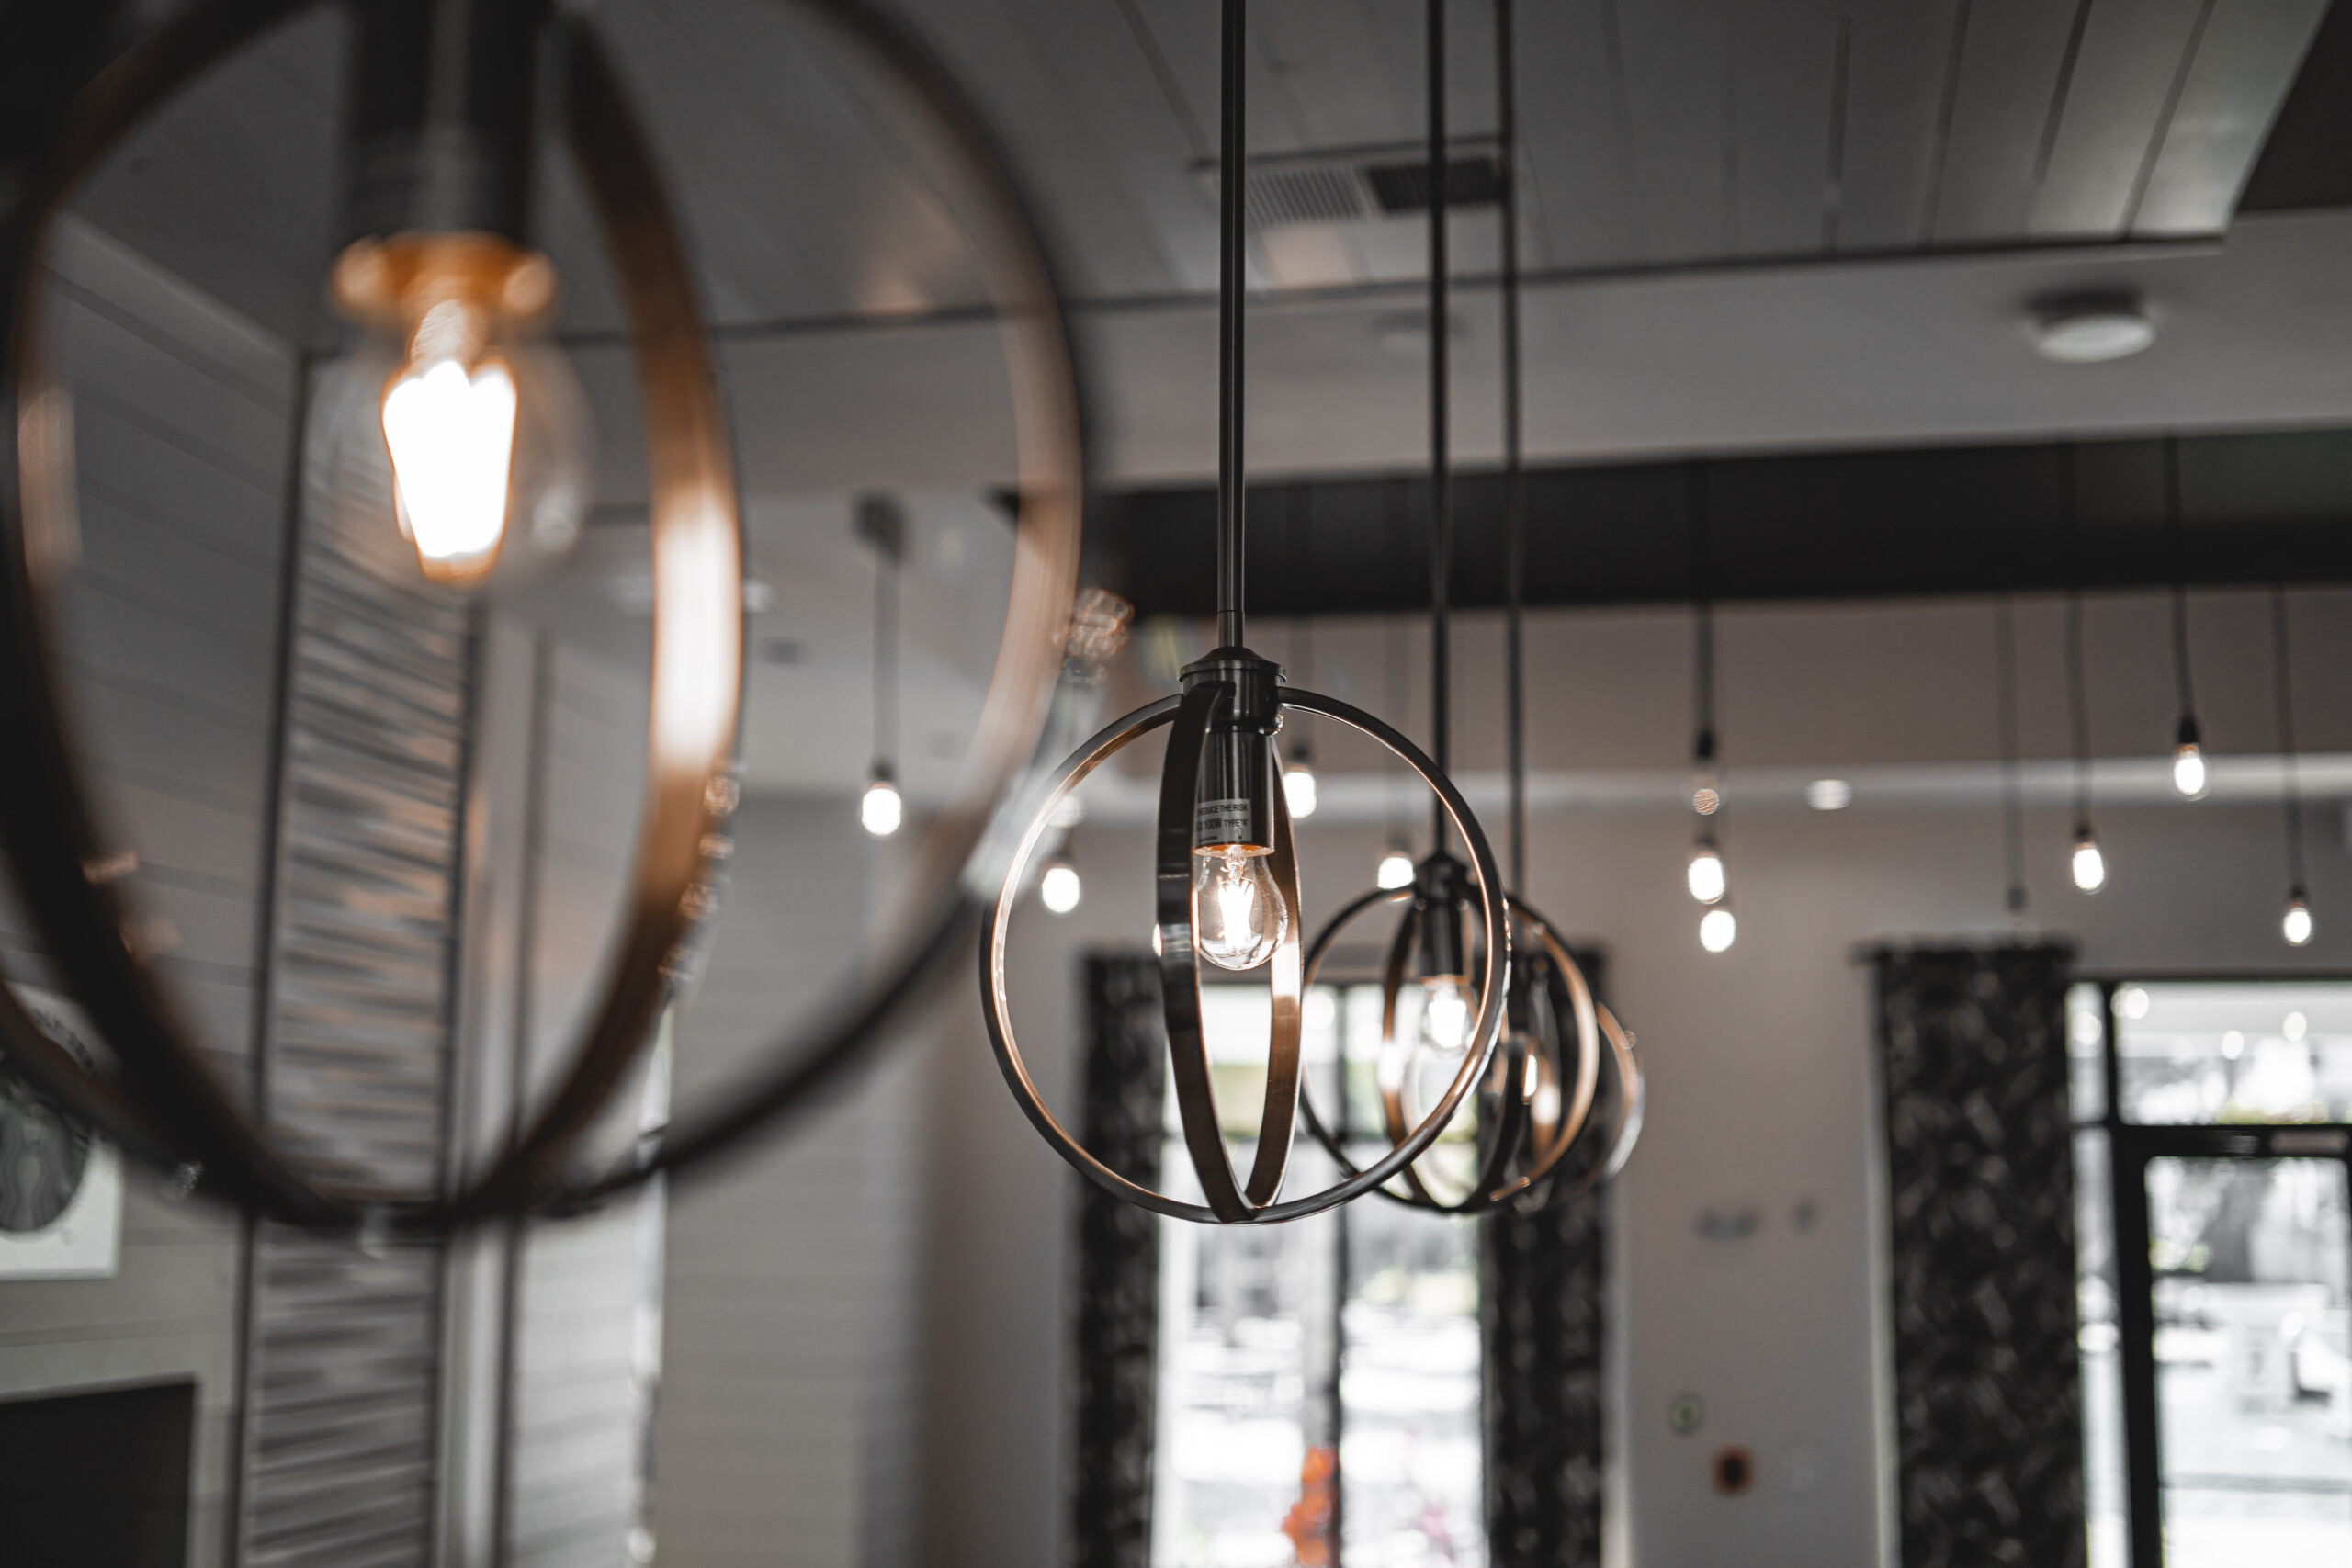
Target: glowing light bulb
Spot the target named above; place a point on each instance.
(1396, 870)
(880, 810)
(2188, 771)
(2089, 866)
(1239, 916)
(1445, 1014)
(1298, 790)
(1705, 875)
(1717, 927)
(2295, 925)
(1058, 889)
(448, 419)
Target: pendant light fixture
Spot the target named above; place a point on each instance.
(2295, 920)
(2085, 862)
(882, 527)
(1540, 1094)
(1705, 873)
(2188, 754)
(451, 465)
(1227, 861)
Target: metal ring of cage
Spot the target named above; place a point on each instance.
(1633, 1096)
(1258, 1202)
(51, 836)
(1569, 995)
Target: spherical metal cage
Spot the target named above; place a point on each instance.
(1230, 1201)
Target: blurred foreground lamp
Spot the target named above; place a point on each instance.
(1227, 867)
(456, 416)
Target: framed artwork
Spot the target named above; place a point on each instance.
(61, 1185)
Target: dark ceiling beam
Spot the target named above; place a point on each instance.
(2259, 507)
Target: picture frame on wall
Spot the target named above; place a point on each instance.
(60, 1184)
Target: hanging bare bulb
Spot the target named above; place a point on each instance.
(1298, 788)
(2189, 763)
(1059, 889)
(880, 809)
(1396, 868)
(1717, 928)
(2295, 925)
(1444, 1027)
(1705, 872)
(2087, 863)
(452, 441)
(1238, 912)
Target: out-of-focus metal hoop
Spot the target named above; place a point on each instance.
(1633, 1096)
(1240, 1206)
(1492, 1186)
(697, 644)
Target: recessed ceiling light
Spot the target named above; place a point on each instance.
(2089, 329)
(1829, 795)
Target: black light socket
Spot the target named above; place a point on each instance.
(2187, 734)
(1235, 800)
(1440, 883)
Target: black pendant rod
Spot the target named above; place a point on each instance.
(2079, 701)
(2175, 526)
(1702, 663)
(2012, 793)
(1440, 427)
(1514, 456)
(2280, 648)
(1232, 508)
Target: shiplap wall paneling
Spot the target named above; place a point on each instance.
(182, 427)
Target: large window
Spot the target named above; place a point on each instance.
(2215, 1169)
(1319, 1381)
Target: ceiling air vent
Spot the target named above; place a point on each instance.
(1355, 185)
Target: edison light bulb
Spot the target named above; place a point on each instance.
(1298, 790)
(453, 438)
(1716, 930)
(1239, 916)
(1445, 1014)
(2296, 924)
(1706, 874)
(2188, 769)
(1396, 870)
(2089, 866)
(879, 809)
(1058, 889)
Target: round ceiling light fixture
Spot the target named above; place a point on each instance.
(2092, 328)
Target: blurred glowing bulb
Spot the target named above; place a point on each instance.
(2296, 924)
(1298, 790)
(2232, 1045)
(2297, 1026)
(1716, 930)
(1445, 1014)
(879, 810)
(1239, 916)
(1058, 889)
(450, 432)
(2090, 865)
(2133, 1001)
(1829, 795)
(2188, 771)
(1705, 875)
(1396, 869)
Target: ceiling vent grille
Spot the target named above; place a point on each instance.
(1355, 185)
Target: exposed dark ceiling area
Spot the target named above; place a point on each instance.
(2255, 508)
(2307, 163)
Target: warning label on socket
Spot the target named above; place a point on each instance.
(1221, 822)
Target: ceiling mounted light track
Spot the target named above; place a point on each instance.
(1536, 1100)
(1226, 859)
(438, 258)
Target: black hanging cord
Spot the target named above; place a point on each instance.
(2078, 698)
(1232, 508)
(2281, 652)
(886, 653)
(1514, 467)
(2012, 794)
(1703, 688)
(2175, 536)
(1440, 418)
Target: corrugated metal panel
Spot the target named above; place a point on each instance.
(343, 1358)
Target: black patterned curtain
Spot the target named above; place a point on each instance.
(1540, 1284)
(1989, 1398)
(1118, 1267)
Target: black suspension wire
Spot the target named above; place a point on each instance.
(1440, 425)
(2280, 650)
(2012, 793)
(1232, 504)
(886, 653)
(2175, 538)
(1702, 679)
(1514, 465)
(2079, 701)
